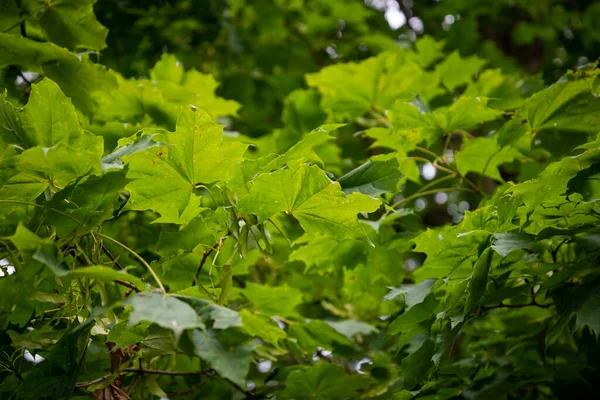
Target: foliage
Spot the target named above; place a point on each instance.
(421, 222)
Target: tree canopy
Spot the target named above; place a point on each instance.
(307, 199)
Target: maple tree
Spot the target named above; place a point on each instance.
(421, 222)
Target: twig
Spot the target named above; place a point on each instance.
(112, 258)
(205, 257)
(419, 194)
(169, 373)
(532, 304)
(92, 382)
(25, 18)
(136, 255)
(127, 284)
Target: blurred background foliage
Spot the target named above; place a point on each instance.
(260, 50)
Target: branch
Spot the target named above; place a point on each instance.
(169, 373)
(205, 255)
(128, 285)
(92, 382)
(532, 304)
(202, 261)
(109, 254)
(136, 255)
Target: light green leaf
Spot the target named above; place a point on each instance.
(456, 71)
(77, 76)
(221, 317)
(164, 180)
(484, 155)
(505, 243)
(274, 300)
(262, 326)
(164, 310)
(412, 294)
(307, 193)
(384, 79)
(372, 178)
(351, 328)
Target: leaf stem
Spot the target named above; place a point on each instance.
(169, 373)
(25, 18)
(40, 206)
(136, 255)
(427, 192)
(436, 182)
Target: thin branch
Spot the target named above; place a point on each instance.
(92, 382)
(128, 285)
(205, 256)
(168, 373)
(25, 18)
(435, 182)
(112, 258)
(532, 304)
(136, 255)
(419, 194)
(426, 151)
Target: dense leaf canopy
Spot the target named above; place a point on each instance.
(308, 199)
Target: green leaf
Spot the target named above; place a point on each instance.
(263, 327)
(505, 243)
(484, 155)
(456, 71)
(323, 381)
(412, 294)
(274, 300)
(588, 312)
(68, 23)
(107, 274)
(164, 180)
(90, 202)
(372, 178)
(351, 328)
(77, 76)
(587, 183)
(306, 193)
(221, 317)
(316, 334)
(231, 362)
(567, 106)
(428, 51)
(55, 377)
(164, 310)
(413, 124)
(479, 277)
(60, 151)
(123, 335)
(384, 79)
(416, 366)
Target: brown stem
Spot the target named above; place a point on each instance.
(205, 257)
(127, 284)
(92, 382)
(169, 373)
(112, 258)
(532, 304)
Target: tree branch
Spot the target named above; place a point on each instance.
(169, 373)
